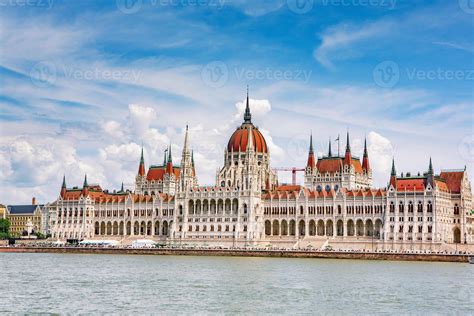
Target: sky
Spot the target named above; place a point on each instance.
(84, 84)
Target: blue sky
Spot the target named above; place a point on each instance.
(84, 83)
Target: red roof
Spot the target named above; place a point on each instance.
(441, 185)
(410, 184)
(289, 188)
(453, 180)
(334, 164)
(158, 173)
(238, 140)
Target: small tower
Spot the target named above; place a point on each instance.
(365, 159)
(311, 168)
(187, 172)
(348, 155)
(140, 179)
(247, 114)
(393, 175)
(430, 178)
(63, 187)
(85, 187)
(329, 150)
(141, 167)
(169, 165)
(311, 164)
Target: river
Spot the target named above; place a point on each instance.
(126, 284)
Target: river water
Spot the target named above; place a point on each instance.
(121, 284)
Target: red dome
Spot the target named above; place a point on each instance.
(238, 141)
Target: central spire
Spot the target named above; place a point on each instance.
(247, 115)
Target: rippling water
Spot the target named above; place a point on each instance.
(76, 283)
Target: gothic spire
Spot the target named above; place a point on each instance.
(394, 172)
(348, 144)
(170, 158)
(365, 160)
(121, 189)
(85, 185)
(141, 166)
(329, 152)
(430, 168)
(311, 161)
(64, 182)
(247, 115)
(185, 147)
(365, 148)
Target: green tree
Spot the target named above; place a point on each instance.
(4, 228)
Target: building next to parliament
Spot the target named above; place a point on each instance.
(337, 204)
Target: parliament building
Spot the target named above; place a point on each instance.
(337, 206)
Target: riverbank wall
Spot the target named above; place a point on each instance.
(461, 258)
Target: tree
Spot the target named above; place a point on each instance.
(4, 228)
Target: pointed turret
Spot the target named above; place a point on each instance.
(141, 167)
(348, 143)
(348, 155)
(85, 187)
(63, 187)
(329, 151)
(311, 160)
(192, 162)
(185, 146)
(247, 115)
(393, 175)
(121, 188)
(365, 160)
(169, 165)
(430, 178)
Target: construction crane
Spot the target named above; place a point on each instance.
(293, 172)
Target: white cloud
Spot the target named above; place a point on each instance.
(380, 156)
(35, 163)
(336, 41)
(113, 129)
